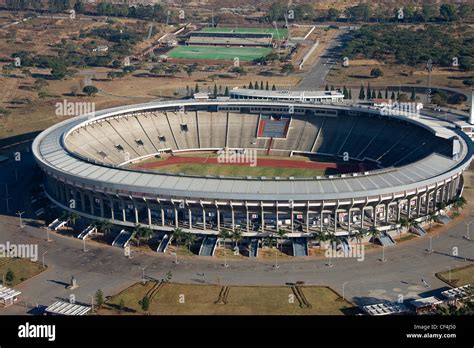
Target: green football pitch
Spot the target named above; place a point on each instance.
(218, 53)
(280, 33)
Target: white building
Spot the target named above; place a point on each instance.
(290, 96)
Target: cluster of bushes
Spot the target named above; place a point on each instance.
(412, 47)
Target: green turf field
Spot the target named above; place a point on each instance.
(237, 170)
(281, 33)
(245, 54)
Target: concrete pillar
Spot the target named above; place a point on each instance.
(233, 217)
(101, 207)
(190, 217)
(203, 218)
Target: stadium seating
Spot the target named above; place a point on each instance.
(384, 141)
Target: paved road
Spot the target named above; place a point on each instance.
(315, 78)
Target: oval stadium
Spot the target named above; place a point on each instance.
(254, 165)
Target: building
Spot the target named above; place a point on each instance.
(86, 160)
(226, 38)
(288, 96)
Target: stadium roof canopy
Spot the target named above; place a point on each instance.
(51, 153)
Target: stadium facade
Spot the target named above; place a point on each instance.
(87, 164)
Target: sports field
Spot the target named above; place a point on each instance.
(245, 54)
(267, 166)
(280, 33)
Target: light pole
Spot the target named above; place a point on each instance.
(43, 257)
(225, 257)
(449, 275)
(84, 248)
(383, 259)
(47, 235)
(468, 226)
(430, 250)
(276, 260)
(343, 288)
(143, 273)
(176, 257)
(20, 213)
(92, 303)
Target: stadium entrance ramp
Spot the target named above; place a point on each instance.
(208, 246)
(300, 246)
(122, 239)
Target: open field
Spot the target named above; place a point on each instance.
(245, 54)
(21, 268)
(459, 276)
(280, 33)
(190, 299)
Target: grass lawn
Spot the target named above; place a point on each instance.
(22, 269)
(459, 276)
(218, 53)
(280, 33)
(190, 299)
(237, 170)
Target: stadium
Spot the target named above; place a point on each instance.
(320, 168)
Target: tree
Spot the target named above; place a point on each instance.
(190, 69)
(326, 88)
(379, 95)
(255, 86)
(250, 85)
(178, 235)
(73, 217)
(459, 203)
(79, 7)
(386, 93)
(99, 298)
(374, 233)
(189, 239)
(464, 11)
(10, 276)
(273, 87)
(360, 12)
(226, 92)
(376, 72)
(361, 93)
(237, 236)
(431, 218)
(215, 91)
(239, 71)
(413, 94)
(428, 12)
(287, 69)
(448, 12)
(333, 14)
(350, 93)
(281, 234)
(103, 226)
(196, 88)
(145, 303)
(261, 85)
(266, 86)
(345, 92)
(392, 96)
(369, 92)
(90, 90)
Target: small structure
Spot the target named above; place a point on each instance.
(460, 293)
(101, 49)
(73, 284)
(8, 296)
(201, 96)
(387, 308)
(66, 308)
(426, 305)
